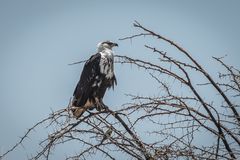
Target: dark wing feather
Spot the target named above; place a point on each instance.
(84, 87)
(107, 83)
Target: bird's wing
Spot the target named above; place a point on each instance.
(84, 86)
(114, 81)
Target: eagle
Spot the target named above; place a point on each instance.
(96, 77)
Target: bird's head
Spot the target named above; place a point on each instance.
(106, 45)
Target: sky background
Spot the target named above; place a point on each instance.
(39, 38)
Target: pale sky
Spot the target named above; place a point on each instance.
(39, 38)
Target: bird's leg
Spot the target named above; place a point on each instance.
(99, 104)
(77, 111)
(91, 107)
(102, 104)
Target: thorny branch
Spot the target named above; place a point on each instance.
(178, 120)
(213, 83)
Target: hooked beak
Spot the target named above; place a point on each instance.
(115, 45)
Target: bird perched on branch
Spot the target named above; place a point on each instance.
(97, 76)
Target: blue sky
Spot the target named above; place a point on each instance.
(39, 38)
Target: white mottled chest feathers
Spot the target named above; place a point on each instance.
(106, 63)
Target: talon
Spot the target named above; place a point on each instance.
(77, 111)
(100, 106)
(91, 108)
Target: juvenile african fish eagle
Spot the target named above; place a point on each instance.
(97, 76)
